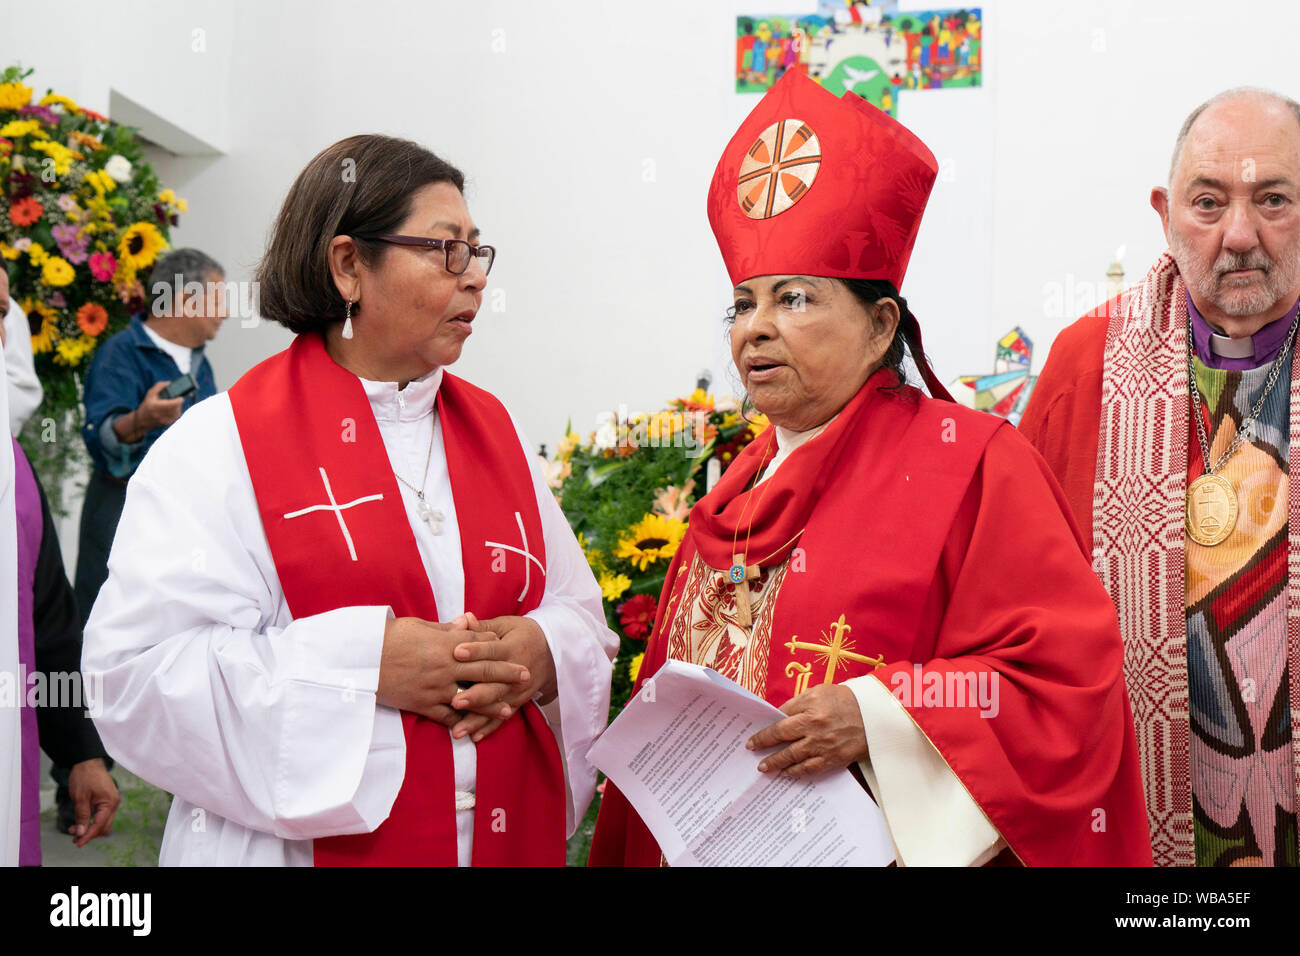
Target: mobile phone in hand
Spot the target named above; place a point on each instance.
(179, 388)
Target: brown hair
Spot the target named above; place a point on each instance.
(359, 187)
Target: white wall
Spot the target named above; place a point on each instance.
(1088, 100)
(589, 133)
(170, 58)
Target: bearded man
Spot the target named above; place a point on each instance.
(1171, 416)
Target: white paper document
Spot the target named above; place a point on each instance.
(677, 751)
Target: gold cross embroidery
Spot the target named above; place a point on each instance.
(803, 670)
(832, 651)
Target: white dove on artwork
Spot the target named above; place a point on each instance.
(853, 77)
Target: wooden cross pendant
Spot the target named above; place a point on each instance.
(740, 575)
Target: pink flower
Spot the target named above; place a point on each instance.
(43, 113)
(72, 242)
(103, 265)
(671, 502)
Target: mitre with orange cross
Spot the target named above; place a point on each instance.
(812, 184)
(816, 185)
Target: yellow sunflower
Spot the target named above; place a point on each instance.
(140, 245)
(653, 538)
(612, 586)
(57, 271)
(43, 340)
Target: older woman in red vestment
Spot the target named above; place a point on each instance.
(897, 573)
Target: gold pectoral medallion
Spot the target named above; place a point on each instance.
(1211, 510)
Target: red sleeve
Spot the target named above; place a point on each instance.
(1063, 417)
(1053, 762)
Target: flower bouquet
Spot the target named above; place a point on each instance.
(627, 492)
(82, 219)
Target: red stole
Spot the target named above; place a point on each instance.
(308, 436)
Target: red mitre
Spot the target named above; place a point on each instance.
(818, 186)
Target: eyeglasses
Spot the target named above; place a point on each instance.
(458, 252)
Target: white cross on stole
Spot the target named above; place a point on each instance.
(524, 551)
(338, 509)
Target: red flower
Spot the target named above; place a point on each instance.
(92, 318)
(103, 265)
(637, 615)
(23, 185)
(25, 211)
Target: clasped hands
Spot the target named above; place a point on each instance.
(424, 663)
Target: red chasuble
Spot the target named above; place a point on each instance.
(310, 440)
(926, 545)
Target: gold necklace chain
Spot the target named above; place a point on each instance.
(762, 464)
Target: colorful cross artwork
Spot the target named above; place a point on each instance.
(866, 48)
(1006, 392)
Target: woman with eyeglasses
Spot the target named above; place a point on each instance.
(345, 620)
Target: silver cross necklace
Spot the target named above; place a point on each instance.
(430, 515)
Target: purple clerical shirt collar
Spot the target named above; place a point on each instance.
(1260, 349)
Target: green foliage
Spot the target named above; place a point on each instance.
(580, 843)
(138, 826)
(651, 469)
(617, 492)
(51, 439)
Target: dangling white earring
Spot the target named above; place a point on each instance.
(347, 322)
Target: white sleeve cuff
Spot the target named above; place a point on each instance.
(932, 818)
(335, 678)
(575, 702)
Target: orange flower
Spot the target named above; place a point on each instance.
(92, 318)
(25, 211)
(85, 139)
